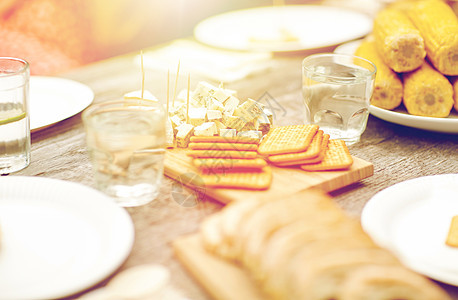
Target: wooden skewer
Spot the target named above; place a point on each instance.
(176, 83)
(187, 100)
(168, 91)
(143, 74)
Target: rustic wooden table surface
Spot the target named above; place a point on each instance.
(398, 153)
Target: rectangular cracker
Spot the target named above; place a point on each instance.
(312, 151)
(223, 139)
(243, 180)
(223, 146)
(222, 165)
(287, 139)
(452, 237)
(231, 154)
(314, 160)
(336, 157)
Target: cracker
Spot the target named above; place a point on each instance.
(314, 160)
(452, 237)
(239, 180)
(223, 146)
(336, 157)
(223, 139)
(312, 151)
(287, 139)
(223, 165)
(231, 154)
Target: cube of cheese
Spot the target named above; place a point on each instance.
(206, 129)
(234, 122)
(185, 131)
(262, 123)
(179, 111)
(213, 115)
(175, 122)
(251, 134)
(269, 115)
(230, 133)
(203, 93)
(248, 110)
(215, 105)
(230, 105)
(197, 115)
(137, 95)
(220, 95)
(220, 125)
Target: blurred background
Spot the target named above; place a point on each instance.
(57, 35)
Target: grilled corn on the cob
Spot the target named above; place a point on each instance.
(427, 92)
(398, 41)
(387, 92)
(438, 25)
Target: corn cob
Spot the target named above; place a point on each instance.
(398, 41)
(454, 81)
(388, 87)
(427, 92)
(438, 25)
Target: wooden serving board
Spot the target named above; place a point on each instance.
(222, 279)
(286, 181)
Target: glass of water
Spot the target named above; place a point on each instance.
(337, 89)
(14, 115)
(126, 144)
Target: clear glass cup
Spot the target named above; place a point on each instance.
(126, 144)
(14, 115)
(337, 89)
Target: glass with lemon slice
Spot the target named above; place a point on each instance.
(14, 117)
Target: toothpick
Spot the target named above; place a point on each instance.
(176, 83)
(187, 99)
(143, 73)
(168, 89)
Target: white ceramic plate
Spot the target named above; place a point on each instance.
(265, 28)
(54, 99)
(412, 219)
(400, 115)
(58, 237)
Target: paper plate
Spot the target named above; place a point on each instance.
(57, 237)
(54, 99)
(283, 28)
(412, 219)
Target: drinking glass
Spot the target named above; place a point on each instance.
(126, 144)
(14, 115)
(337, 89)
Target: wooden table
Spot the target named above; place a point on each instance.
(398, 153)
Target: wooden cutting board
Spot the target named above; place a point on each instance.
(285, 181)
(221, 279)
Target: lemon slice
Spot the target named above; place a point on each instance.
(10, 116)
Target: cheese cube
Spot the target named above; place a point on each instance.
(179, 111)
(251, 134)
(248, 110)
(185, 131)
(182, 97)
(137, 95)
(213, 115)
(234, 122)
(249, 126)
(215, 105)
(220, 95)
(230, 105)
(262, 123)
(230, 133)
(203, 93)
(175, 122)
(197, 115)
(220, 125)
(206, 129)
(269, 114)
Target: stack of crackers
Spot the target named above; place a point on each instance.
(243, 162)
